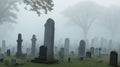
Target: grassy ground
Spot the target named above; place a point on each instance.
(93, 62)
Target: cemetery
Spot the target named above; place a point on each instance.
(76, 34)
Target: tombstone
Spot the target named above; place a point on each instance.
(3, 46)
(1, 57)
(61, 54)
(113, 58)
(72, 53)
(19, 45)
(33, 48)
(28, 51)
(46, 52)
(8, 52)
(99, 52)
(88, 54)
(13, 61)
(92, 50)
(55, 50)
(66, 46)
(96, 52)
(43, 53)
(82, 49)
(49, 39)
(110, 45)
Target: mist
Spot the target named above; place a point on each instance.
(105, 23)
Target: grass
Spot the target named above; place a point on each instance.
(92, 62)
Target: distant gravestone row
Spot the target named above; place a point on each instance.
(46, 51)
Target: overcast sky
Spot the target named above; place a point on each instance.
(29, 23)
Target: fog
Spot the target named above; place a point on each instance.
(29, 23)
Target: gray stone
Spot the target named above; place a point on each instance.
(113, 58)
(92, 50)
(19, 45)
(61, 54)
(88, 54)
(8, 52)
(3, 46)
(66, 46)
(49, 39)
(33, 48)
(82, 49)
(43, 53)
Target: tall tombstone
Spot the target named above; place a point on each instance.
(3, 46)
(113, 58)
(33, 48)
(28, 51)
(8, 52)
(96, 52)
(110, 45)
(66, 46)
(49, 38)
(99, 52)
(19, 45)
(82, 49)
(61, 54)
(55, 50)
(92, 50)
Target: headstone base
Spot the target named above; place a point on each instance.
(38, 60)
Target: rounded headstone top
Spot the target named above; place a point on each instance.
(67, 39)
(50, 21)
(82, 42)
(113, 52)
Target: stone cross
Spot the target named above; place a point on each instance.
(33, 48)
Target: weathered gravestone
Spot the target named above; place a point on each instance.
(8, 52)
(92, 50)
(113, 58)
(88, 54)
(66, 46)
(28, 51)
(48, 43)
(99, 52)
(61, 54)
(3, 46)
(19, 45)
(43, 53)
(82, 49)
(49, 39)
(33, 48)
(96, 52)
(1, 57)
(42, 58)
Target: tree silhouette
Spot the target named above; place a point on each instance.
(83, 14)
(6, 11)
(39, 6)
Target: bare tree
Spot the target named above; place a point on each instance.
(83, 14)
